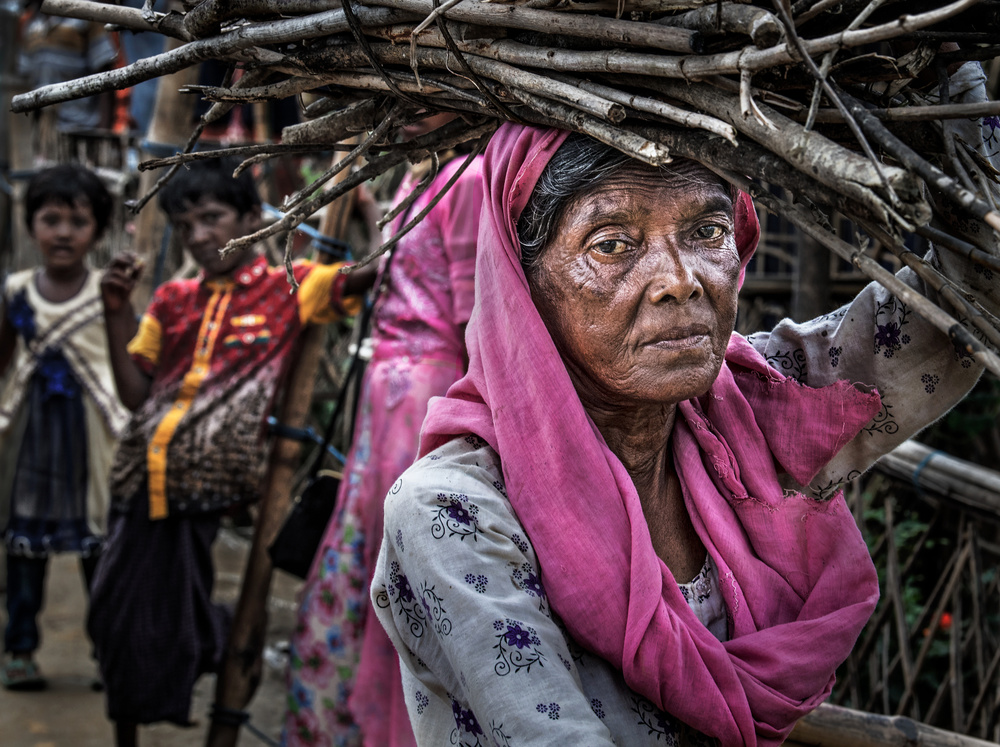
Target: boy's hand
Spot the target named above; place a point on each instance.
(119, 280)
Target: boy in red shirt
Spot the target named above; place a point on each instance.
(200, 375)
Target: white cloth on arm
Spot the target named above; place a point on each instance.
(878, 341)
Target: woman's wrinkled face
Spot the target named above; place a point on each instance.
(638, 286)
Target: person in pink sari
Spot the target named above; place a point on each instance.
(343, 678)
(626, 524)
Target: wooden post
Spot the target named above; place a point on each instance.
(243, 662)
(833, 726)
(811, 288)
(170, 125)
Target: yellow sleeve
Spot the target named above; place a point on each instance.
(146, 343)
(321, 298)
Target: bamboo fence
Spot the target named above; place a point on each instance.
(930, 655)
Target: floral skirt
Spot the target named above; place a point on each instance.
(343, 678)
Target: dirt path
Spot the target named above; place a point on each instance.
(70, 714)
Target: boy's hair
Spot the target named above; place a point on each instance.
(210, 178)
(68, 183)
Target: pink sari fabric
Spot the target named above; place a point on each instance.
(797, 578)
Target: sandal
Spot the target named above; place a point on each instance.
(21, 674)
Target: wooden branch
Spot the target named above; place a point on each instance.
(139, 204)
(333, 127)
(646, 150)
(208, 16)
(133, 19)
(441, 139)
(292, 201)
(810, 152)
(959, 247)
(834, 726)
(275, 32)
(658, 108)
(629, 33)
(241, 150)
(414, 194)
(933, 175)
(280, 90)
(933, 278)
(757, 23)
(933, 113)
(508, 75)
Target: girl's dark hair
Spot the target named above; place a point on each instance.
(580, 164)
(210, 178)
(68, 184)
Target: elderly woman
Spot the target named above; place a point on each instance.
(625, 526)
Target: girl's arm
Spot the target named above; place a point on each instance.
(121, 324)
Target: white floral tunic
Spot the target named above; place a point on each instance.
(488, 661)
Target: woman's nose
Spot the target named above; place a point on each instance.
(673, 277)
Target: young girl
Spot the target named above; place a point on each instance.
(59, 412)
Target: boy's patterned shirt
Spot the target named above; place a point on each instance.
(217, 351)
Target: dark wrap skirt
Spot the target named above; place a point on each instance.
(154, 626)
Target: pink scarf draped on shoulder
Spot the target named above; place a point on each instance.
(798, 581)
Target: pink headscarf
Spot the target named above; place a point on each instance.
(798, 581)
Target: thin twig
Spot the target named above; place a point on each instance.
(293, 200)
(139, 204)
(479, 148)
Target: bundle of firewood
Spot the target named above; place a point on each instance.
(843, 104)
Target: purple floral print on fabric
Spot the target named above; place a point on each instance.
(657, 722)
(465, 719)
(835, 353)
(552, 709)
(455, 517)
(422, 702)
(477, 581)
(517, 647)
(403, 589)
(458, 512)
(890, 318)
(930, 382)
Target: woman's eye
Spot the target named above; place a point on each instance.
(611, 246)
(710, 232)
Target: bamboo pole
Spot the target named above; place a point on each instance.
(945, 476)
(242, 665)
(833, 726)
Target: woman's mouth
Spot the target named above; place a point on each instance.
(681, 338)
